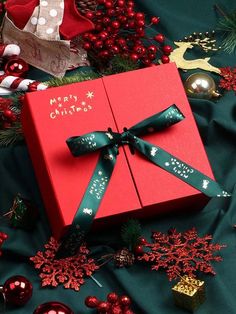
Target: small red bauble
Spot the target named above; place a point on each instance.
(121, 3)
(87, 46)
(108, 4)
(125, 301)
(142, 241)
(98, 44)
(139, 16)
(138, 250)
(140, 23)
(160, 38)
(104, 54)
(165, 59)
(3, 236)
(152, 49)
(106, 20)
(115, 24)
(15, 66)
(17, 290)
(155, 20)
(112, 297)
(146, 61)
(103, 307)
(134, 57)
(7, 113)
(53, 308)
(167, 49)
(89, 15)
(91, 302)
(116, 310)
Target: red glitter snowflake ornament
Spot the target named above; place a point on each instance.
(181, 253)
(228, 80)
(68, 271)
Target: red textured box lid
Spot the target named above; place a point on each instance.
(139, 94)
(49, 118)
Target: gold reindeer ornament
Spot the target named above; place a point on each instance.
(206, 44)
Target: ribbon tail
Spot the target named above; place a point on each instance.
(179, 169)
(90, 203)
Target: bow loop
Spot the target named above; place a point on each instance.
(91, 142)
(158, 122)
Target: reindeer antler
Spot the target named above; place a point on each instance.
(205, 41)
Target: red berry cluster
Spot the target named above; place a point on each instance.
(3, 237)
(120, 30)
(113, 305)
(8, 115)
(138, 250)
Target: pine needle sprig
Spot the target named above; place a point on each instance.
(11, 136)
(131, 232)
(227, 24)
(79, 77)
(119, 64)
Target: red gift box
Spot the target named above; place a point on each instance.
(137, 187)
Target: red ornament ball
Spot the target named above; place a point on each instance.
(142, 241)
(91, 302)
(125, 300)
(54, 308)
(116, 310)
(155, 20)
(138, 250)
(17, 290)
(3, 236)
(160, 38)
(16, 66)
(7, 113)
(112, 297)
(165, 59)
(167, 49)
(103, 307)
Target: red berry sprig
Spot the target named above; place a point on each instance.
(8, 116)
(3, 237)
(120, 30)
(113, 305)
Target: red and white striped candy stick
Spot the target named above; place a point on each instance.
(8, 50)
(20, 84)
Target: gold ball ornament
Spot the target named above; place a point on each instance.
(201, 85)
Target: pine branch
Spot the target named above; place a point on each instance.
(10, 136)
(131, 233)
(79, 77)
(120, 64)
(227, 24)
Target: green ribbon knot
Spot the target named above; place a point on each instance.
(108, 143)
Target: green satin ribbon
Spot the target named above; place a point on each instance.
(108, 142)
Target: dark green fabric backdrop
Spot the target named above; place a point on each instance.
(150, 291)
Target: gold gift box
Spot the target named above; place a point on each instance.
(189, 293)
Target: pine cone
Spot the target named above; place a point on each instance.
(86, 5)
(124, 258)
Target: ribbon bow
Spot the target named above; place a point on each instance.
(108, 142)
